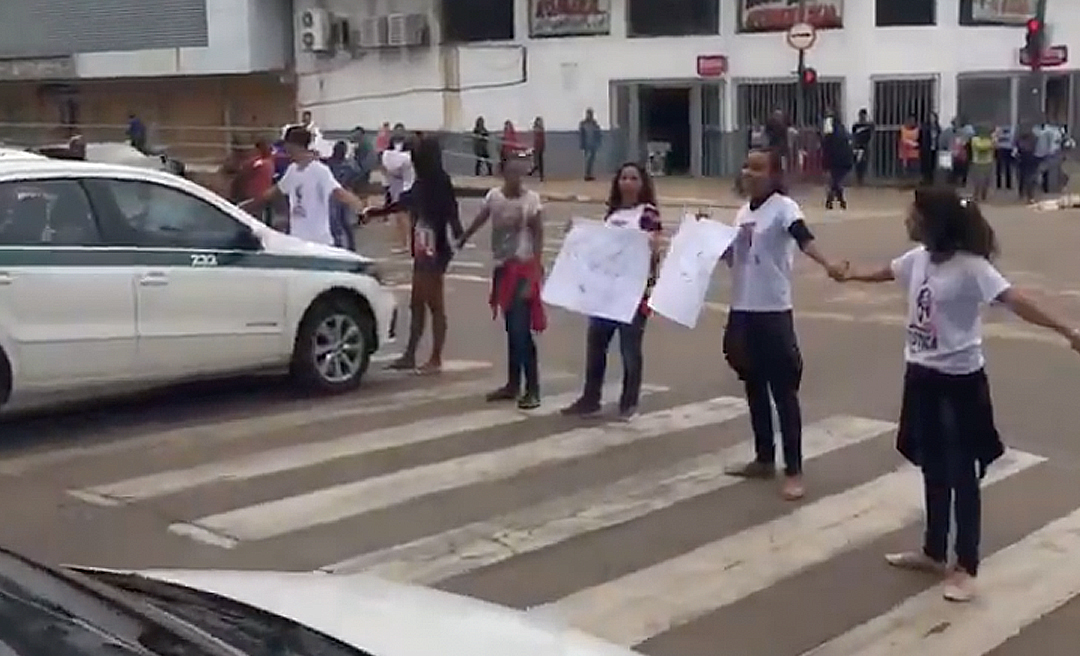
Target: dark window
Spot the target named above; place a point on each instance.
(893, 13)
(154, 215)
(1010, 13)
(466, 21)
(46, 213)
(672, 17)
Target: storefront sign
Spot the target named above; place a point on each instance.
(712, 65)
(780, 15)
(569, 17)
(52, 68)
(1003, 12)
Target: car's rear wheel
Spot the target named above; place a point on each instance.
(332, 350)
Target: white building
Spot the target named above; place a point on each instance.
(695, 74)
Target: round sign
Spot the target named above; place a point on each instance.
(802, 36)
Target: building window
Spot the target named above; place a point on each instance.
(891, 13)
(996, 12)
(672, 17)
(467, 21)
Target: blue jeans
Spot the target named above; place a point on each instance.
(340, 227)
(521, 357)
(590, 162)
(600, 334)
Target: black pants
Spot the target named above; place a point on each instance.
(521, 357)
(836, 186)
(538, 164)
(483, 162)
(862, 163)
(1003, 166)
(763, 350)
(600, 333)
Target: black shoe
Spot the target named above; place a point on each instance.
(504, 393)
(529, 401)
(402, 364)
(828, 204)
(580, 408)
(843, 204)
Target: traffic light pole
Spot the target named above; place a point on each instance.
(801, 100)
(1033, 86)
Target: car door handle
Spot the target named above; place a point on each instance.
(154, 279)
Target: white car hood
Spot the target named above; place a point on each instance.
(391, 619)
(279, 243)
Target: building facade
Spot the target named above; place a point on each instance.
(695, 75)
(196, 72)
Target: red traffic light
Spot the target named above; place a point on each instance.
(1034, 25)
(809, 76)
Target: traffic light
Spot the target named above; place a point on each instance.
(1034, 39)
(808, 77)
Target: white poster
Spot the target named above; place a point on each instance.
(601, 271)
(687, 270)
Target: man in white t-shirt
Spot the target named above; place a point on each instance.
(309, 185)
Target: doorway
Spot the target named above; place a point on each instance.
(665, 119)
(1058, 99)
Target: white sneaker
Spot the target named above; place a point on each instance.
(916, 561)
(960, 587)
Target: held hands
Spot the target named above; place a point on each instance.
(839, 271)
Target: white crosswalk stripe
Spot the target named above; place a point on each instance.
(1019, 584)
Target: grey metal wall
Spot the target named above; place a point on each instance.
(39, 28)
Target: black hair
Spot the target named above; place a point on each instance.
(647, 195)
(298, 135)
(946, 224)
(427, 158)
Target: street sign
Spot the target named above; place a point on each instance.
(802, 36)
(1052, 56)
(712, 65)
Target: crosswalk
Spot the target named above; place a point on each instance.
(673, 455)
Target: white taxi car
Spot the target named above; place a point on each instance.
(113, 278)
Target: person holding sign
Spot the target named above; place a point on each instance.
(760, 343)
(517, 240)
(947, 416)
(631, 205)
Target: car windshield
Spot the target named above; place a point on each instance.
(42, 612)
(248, 629)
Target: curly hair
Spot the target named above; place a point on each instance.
(647, 194)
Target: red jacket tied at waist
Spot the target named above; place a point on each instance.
(506, 283)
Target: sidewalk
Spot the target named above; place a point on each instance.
(704, 192)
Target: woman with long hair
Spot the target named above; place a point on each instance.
(432, 207)
(947, 417)
(631, 205)
(760, 343)
(509, 145)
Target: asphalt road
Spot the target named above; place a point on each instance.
(629, 531)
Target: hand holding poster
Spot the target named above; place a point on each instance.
(600, 271)
(684, 279)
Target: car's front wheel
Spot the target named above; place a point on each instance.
(332, 350)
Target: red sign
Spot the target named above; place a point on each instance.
(711, 65)
(1054, 56)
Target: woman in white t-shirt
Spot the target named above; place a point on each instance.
(947, 419)
(399, 176)
(760, 343)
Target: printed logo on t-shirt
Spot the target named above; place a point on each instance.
(922, 335)
(298, 203)
(744, 242)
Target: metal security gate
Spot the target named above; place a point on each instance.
(715, 160)
(895, 101)
(986, 100)
(756, 100)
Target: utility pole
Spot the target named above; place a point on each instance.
(801, 100)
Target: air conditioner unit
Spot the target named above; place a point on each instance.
(315, 28)
(373, 32)
(407, 30)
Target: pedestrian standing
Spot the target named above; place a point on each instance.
(910, 150)
(862, 132)
(481, 145)
(982, 162)
(1004, 156)
(589, 138)
(517, 241)
(256, 177)
(539, 146)
(929, 144)
(432, 207)
(382, 139)
(309, 186)
(345, 173)
(509, 145)
(631, 205)
(760, 343)
(838, 158)
(947, 418)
